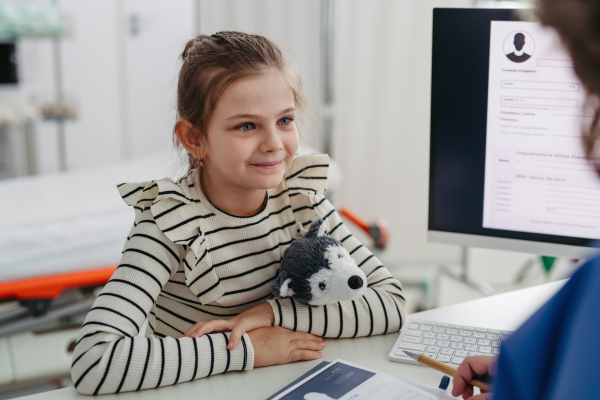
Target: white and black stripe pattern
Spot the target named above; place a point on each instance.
(110, 358)
(186, 261)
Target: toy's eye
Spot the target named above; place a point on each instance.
(322, 285)
(340, 256)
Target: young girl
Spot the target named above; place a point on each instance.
(208, 247)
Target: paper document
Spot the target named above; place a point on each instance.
(537, 176)
(342, 380)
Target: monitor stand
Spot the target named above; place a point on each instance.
(463, 277)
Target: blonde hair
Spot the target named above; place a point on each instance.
(212, 63)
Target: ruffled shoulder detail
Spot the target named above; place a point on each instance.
(178, 213)
(307, 173)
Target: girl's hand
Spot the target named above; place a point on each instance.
(254, 318)
(469, 369)
(275, 345)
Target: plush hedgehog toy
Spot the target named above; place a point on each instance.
(316, 269)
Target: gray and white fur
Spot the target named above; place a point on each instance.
(316, 269)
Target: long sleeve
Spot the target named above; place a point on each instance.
(382, 309)
(109, 357)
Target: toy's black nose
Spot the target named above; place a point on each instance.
(355, 282)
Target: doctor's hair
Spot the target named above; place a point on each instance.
(210, 64)
(578, 25)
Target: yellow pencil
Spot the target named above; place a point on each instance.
(444, 368)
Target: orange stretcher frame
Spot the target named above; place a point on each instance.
(51, 286)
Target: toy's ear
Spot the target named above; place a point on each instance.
(285, 290)
(317, 228)
(281, 286)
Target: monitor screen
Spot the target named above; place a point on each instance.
(507, 112)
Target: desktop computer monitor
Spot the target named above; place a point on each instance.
(507, 165)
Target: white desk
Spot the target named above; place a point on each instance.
(505, 312)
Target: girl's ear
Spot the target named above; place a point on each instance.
(189, 136)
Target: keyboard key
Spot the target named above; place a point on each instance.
(455, 326)
(485, 349)
(433, 349)
(442, 336)
(444, 325)
(402, 354)
(457, 360)
(439, 329)
(471, 347)
(410, 339)
(466, 328)
(429, 323)
(425, 328)
(456, 346)
(479, 335)
(444, 358)
(413, 326)
(461, 353)
(496, 352)
(429, 342)
(451, 331)
(470, 340)
(483, 342)
(493, 336)
(457, 339)
(480, 330)
(474, 353)
(412, 346)
(495, 343)
(465, 333)
(429, 335)
(413, 333)
(432, 355)
(494, 331)
(447, 352)
(442, 343)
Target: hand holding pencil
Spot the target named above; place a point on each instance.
(470, 369)
(466, 375)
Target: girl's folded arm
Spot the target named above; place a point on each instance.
(109, 357)
(382, 309)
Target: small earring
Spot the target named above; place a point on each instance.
(199, 162)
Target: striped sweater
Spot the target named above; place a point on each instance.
(186, 261)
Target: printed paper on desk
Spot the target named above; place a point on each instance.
(342, 380)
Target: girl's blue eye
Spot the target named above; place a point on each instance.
(285, 121)
(248, 126)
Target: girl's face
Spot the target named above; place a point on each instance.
(252, 135)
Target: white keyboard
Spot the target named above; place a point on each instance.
(447, 343)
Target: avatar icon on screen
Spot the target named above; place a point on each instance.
(519, 55)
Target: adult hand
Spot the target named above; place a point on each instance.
(254, 318)
(276, 345)
(470, 367)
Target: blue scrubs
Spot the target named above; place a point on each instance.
(556, 353)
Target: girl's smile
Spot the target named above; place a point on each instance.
(267, 165)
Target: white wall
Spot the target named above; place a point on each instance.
(90, 75)
(383, 74)
(152, 66)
